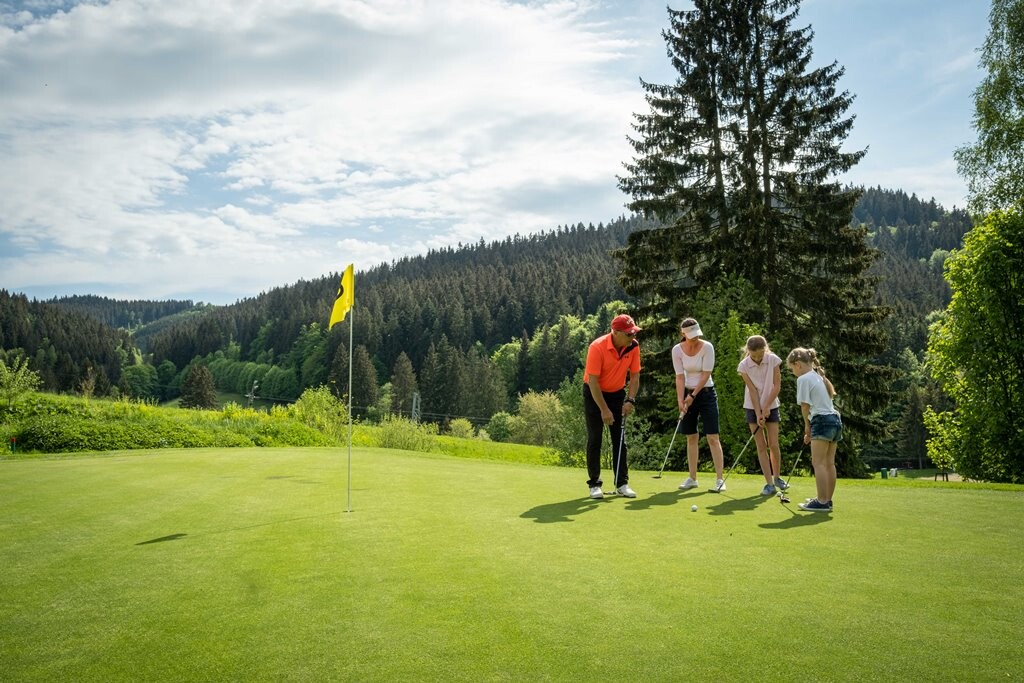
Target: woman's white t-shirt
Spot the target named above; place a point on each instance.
(762, 375)
(692, 366)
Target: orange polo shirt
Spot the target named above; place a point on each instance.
(609, 364)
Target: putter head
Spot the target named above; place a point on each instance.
(783, 498)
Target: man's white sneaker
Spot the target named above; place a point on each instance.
(596, 492)
(690, 483)
(624, 490)
(720, 485)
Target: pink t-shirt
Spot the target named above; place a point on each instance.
(761, 374)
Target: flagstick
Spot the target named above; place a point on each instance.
(351, 325)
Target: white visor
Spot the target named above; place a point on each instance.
(692, 331)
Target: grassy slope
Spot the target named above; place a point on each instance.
(243, 564)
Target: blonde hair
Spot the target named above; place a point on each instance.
(808, 356)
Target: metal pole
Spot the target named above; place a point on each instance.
(351, 326)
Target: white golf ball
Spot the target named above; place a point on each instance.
(693, 508)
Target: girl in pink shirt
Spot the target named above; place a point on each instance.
(761, 371)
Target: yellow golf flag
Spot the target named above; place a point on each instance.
(346, 297)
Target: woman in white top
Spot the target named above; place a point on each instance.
(823, 427)
(762, 375)
(694, 359)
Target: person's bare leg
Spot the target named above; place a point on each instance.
(717, 456)
(692, 452)
(772, 430)
(830, 470)
(820, 459)
(762, 453)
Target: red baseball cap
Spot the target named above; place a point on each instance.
(623, 323)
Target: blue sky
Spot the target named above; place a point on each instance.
(155, 149)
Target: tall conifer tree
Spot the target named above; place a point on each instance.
(739, 161)
(403, 385)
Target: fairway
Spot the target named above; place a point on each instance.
(242, 564)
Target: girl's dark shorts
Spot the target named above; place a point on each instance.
(773, 416)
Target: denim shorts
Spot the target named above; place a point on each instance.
(827, 427)
(773, 416)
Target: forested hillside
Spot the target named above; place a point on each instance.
(469, 327)
(914, 239)
(65, 347)
(125, 314)
(483, 294)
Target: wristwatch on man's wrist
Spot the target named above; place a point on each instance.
(630, 400)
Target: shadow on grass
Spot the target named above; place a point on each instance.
(799, 519)
(178, 537)
(560, 512)
(730, 505)
(666, 498)
(172, 537)
(662, 499)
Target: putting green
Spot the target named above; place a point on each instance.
(242, 564)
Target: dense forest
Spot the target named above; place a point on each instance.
(126, 314)
(469, 327)
(66, 347)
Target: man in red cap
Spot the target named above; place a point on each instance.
(607, 400)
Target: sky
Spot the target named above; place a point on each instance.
(186, 149)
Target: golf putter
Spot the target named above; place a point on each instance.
(615, 462)
(669, 451)
(715, 489)
(783, 498)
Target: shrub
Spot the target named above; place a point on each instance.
(55, 424)
(498, 426)
(320, 409)
(461, 428)
(540, 413)
(401, 433)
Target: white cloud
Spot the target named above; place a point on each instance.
(214, 150)
(191, 133)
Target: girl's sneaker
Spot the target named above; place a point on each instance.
(781, 484)
(768, 490)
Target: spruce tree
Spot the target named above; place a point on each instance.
(198, 390)
(403, 385)
(738, 161)
(337, 377)
(365, 389)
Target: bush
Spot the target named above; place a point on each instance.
(403, 434)
(53, 424)
(320, 409)
(461, 428)
(498, 427)
(539, 414)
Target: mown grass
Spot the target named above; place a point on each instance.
(241, 564)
